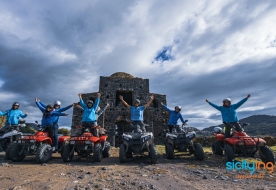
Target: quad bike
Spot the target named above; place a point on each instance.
(8, 135)
(85, 145)
(240, 144)
(137, 142)
(38, 144)
(182, 141)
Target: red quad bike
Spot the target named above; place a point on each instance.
(86, 144)
(240, 144)
(38, 144)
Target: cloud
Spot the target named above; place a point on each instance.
(213, 50)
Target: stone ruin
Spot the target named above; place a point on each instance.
(117, 114)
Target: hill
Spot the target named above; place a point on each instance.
(259, 125)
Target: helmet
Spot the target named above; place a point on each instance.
(227, 99)
(178, 107)
(90, 102)
(16, 104)
(49, 106)
(136, 100)
(58, 103)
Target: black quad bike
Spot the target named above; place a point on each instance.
(136, 143)
(182, 141)
(8, 135)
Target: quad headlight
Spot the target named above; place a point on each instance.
(72, 142)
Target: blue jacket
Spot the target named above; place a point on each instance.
(137, 113)
(229, 114)
(174, 116)
(49, 120)
(89, 115)
(56, 118)
(13, 116)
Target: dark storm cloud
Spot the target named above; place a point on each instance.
(55, 49)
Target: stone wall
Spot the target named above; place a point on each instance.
(2, 121)
(117, 114)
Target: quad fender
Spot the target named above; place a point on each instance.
(219, 137)
(94, 139)
(41, 133)
(168, 140)
(63, 139)
(259, 140)
(103, 138)
(47, 140)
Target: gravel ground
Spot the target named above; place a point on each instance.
(183, 172)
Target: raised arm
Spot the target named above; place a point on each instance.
(55, 113)
(214, 105)
(96, 104)
(149, 102)
(101, 112)
(65, 108)
(23, 115)
(42, 104)
(39, 105)
(82, 104)
(3, 113)
(124, 102)
(166, 108)
(237, 105)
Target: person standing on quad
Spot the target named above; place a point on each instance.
(13, 116)
(137, 112)
(57, 108)
(174, 116)
(229, 114)
(100, 111)
(89, 118)
(48, 119)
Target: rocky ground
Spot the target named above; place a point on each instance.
(184, 172)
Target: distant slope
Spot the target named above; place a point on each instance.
(259, 125)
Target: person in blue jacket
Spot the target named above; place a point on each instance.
(229, 114)
(89, 114)
(13, 116)
(57, 108)
(48, 119)
(137, 112)
(174, 116)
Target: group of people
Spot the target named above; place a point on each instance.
(91, 112)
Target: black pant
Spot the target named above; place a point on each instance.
(228, 127)
(50, 130)
(171, 126)
(138, 125)
(90, 126)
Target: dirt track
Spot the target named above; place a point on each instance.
(184, 172)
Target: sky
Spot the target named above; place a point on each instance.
(189, 50)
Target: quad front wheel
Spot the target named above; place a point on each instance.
(266, 154)
(153, 153)
(228, 153)
(122, 153)
(199, 153)
(216, 148)
(97, 153)
(106, 151)
(43, 153)
(67, 153)
(169, 151)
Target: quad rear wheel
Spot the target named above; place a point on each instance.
(199, 153)
(16, 153)
(266, 154)
(169, 151)
(228, 153)
(66, 155)
(216, 148)
(106, 151)
(8, 151)
(122, 153)
(97, 153)
(153, 153)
